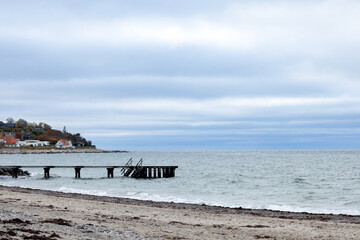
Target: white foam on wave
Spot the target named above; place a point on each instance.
(289, 208)
(175, 199)
(311, 210)
(82, 191)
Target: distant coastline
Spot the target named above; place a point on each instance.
(55, 151)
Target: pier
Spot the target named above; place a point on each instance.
(137, 171)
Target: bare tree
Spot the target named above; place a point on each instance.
(10, 120)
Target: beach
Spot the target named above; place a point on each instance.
(40, 214)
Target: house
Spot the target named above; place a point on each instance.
(64, 144)
(9, 134)
(10, 141)
(9, 125)
(26, 135)
(32, 143)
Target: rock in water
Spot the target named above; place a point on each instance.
(8, 172)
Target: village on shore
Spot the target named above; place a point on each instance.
(23, 137)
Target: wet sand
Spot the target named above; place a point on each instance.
(38, 214)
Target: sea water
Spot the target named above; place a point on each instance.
(325, 181)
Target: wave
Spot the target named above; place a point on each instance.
(82, 191)
(176, 199)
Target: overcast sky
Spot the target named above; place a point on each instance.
(160, 74)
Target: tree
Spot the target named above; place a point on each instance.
(10, 120)
(18, 135)
(21, 123)
(47, 127)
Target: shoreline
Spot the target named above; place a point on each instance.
(338, 218)
(41, 214)
(57, 151)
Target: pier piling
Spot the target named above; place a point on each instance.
(77, 172)
(110, 172)
(46, 172)
(15, 172)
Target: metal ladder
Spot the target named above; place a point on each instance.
(126, 171)
(137, 169)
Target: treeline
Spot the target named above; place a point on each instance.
(24, 130)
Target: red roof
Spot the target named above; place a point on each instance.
(64, 142)
(9, 140)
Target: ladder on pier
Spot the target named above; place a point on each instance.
(127, 170)
(138, 170)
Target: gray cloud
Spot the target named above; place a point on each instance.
(187, 74)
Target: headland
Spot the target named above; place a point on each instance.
(55, 151)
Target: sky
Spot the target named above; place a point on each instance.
(185, 75)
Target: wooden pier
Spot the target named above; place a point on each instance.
(137, 171)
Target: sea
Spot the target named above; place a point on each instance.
(315, 181)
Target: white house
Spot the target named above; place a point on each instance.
(64, 144)
(32, 143)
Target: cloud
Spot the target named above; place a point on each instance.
(284, 72)
(162, 32)
(301, 28)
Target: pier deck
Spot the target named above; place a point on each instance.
(127, 170)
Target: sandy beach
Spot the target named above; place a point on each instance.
(39, 214)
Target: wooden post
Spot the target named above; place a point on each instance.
(110, 172)
(77, 172)
(46, 172)
(169, 172)
(150, 172)
(144, 173)
(166, 172)
(15, 172)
